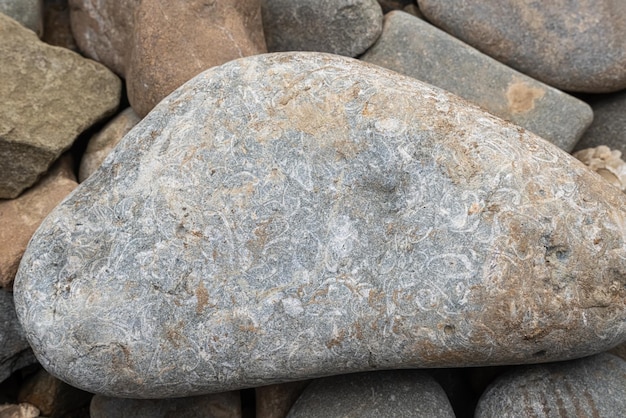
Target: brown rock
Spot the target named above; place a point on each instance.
(20, 217)
(53, 397)
(275, 401)
(57, 28)
(102, 30)
(172, 43)
(101, 144)
(22, 410)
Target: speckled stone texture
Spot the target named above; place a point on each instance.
(389, 394)
(609, 123)
(293, 215)
(415, 48)
(15, 352)
(590, 387)
(572, 45)
(344, 27)
(49, 96)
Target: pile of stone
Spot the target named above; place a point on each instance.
(339, 208)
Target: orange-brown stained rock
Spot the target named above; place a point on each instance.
(521, 96)
(174, 41)
(20, 217)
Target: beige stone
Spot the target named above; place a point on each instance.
(22, 410)
(20, 217)
(172, 43)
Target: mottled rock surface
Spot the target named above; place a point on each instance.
(590, 387)
(415, 48)
(15, 352)
(606, 162)
(344, 27)
(218, 405)
(101, 144)
(50, 95)
(171, 44)
(289, 216)
(572, 45)
(609, 123)
(103, 30)
(22, 410)
(395, 393)
(275, 401)
(28, 12)
(20, 217)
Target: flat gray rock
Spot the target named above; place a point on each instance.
(571, 45)
(590, 387)
(344, 27)
(415, 48)
(294, 215)
(609, 123)
(388, 394)
(49, 96)
(15, 352)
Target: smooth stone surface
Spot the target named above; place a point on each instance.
(51, 396)
(415, 48)
(571, 45)
(289, 216)
(390, 394)
(217, 405)
(590, 387)
(609, 123)
(171, 44)
(15, 352)
(20, 217)
(50, 95)
(101, 144)
(27, 12)
(275, 401)
(103, 30)
(343, 27)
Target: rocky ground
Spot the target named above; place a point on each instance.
(421, 216)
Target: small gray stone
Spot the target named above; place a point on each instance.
(609, 123)
(389, 394)
(218, 405)
(415, 48)
(50, 95)
(344, 27)
(28, 12)
(571, 45)
(15, 352)
(590, 387)
(294, 215)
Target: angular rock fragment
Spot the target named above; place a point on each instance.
(571, 45)
(343, 27)
(589, 387)
(50, 95)
(394, 393)
(289, 216)
(606, 162)
(22, 410)
(415, 48)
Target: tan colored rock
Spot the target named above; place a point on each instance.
(20, 217)
(171, 44)
(101, 144)
(606, 162)
(49, 96)
(275, 401)
(22, 410)
(53, 397)
(102, 30)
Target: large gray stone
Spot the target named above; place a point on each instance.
(389, 394)
(572, 45)
(415, 48)
(609, 123)
(28, 12)
(15, 352)
(590, 387)
(49, 96)
(344, 27)
(288, 216)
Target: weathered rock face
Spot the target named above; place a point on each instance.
(589, 387)
(288, 216)
(415, 48)
(343, 27)
(50, 95)
(28, 12)
(171, 44)
(15, 352)
(394, 393)
(572, 45)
